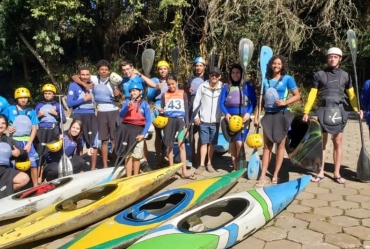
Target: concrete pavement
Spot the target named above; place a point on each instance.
(327, 215)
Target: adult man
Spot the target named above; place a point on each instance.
(194, 81)
(331, 83)
(209, 118)
(82, 101)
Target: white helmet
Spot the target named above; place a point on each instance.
(115, 79)
(334, 50)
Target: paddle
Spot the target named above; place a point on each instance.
(254, 160)
(212, 61)
(363, 163)
(175, 60)
(65, 167)
(147, 59)
(244, 53)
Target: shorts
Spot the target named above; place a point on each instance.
(44, 136)
(209, 133)
(32, 155)
(7, 175)
(89, 126)
(276, 125)
(172, 130)
(107, 124)
(137, 153)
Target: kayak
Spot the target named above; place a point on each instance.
(222, 146)
(85, 208)
(304, 144)
(128, 226)
(226, 221)
(34, 199)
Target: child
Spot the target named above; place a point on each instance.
(73, 147)
(23, 127)
(48, 113)
(136, 120)
(174, 105)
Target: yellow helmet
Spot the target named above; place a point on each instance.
(23, 166)
(54, 146)
(160, 122)
(22, 92)
(163, 63)
(235, 123)
(254, 141)
(49, 87)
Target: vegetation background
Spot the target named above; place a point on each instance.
(47, 40)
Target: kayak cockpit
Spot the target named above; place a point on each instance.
(86, 198)
(215, 216)
(297, 132)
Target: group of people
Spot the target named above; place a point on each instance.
(34, 138)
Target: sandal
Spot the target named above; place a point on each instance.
(275, 180)
(317, 178)
(339, 180)
(260, 183)
(189, 177)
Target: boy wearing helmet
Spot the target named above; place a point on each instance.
(23, 127)
(48, 113)
(331, 83)
(136, 120)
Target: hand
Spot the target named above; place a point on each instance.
(27, 147)
(191, 89)
(256, 121)
(158, 86)
(131, 102)
(361, 114)
(160, 110)
(88, 86)
(41, 113)
(197, 121)
(60, 137)
(15, 152)
(116, 92)
(11, 129)
(140, 137)
(246, 117)
(305, 118)
(137, 72)
(53, 112)
(88, 96)
(281, 102)
(228, 116)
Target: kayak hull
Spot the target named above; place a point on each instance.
(14, 207)
(85, 208)
(224, 222)
(122, 229)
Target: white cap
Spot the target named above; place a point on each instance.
(334, 50)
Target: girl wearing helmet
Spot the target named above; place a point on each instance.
(174, 105)
(237, 102)
(73, 147)
(11, 180)
(277, 118)
(331, 84)
(48, 113)
(136, 120)
(23, 127)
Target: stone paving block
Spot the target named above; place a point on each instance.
(291, 223)
(328, 211)
(366, 222)
(251, 242)
(285, 214)
(365, 205)
(316, 190)
(58, 243)
(344, 191)
(298, 209)
(344, 204)
(271, 234)
(343, 240)
(357, 198)
(282, 244)
(358, 213)
(310, 217)
(324, 227)
(366, 244)
(364, 191)
(343, 221)
(305, 196)
(305, 236)
(314, 203)
(356, 185)
(363, 233)
(319, 246)
(330, 197)
(330, 184)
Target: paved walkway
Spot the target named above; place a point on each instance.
(326, 215)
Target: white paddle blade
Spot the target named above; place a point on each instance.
(147, 59)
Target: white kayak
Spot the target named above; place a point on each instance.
(226, 221)
(34, 199)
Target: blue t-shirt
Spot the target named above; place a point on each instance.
(3, 105)
(127, 81)
(285, 85)
(11, 113)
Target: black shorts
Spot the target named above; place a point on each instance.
(89, 126)
(43, 136)
(6, 180)
(125, 137)
(107, 124)
(171, 130)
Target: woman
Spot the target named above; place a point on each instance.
(11, 180)
(73, 147)
(237, 99)
(277, 118)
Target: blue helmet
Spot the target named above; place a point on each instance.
(199, 59)
(135, 85)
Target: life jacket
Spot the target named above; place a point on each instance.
(154, 92)
(48, 118)
(271, 95)
(333, 86)
(5, 154)
(22, 123)
(102, 93)
(134, 115)
(174, 106)
(195, 83)
(235, 97)
(85, 105)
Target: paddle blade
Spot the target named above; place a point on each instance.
(242, 163)
(253, 166)
(352, 41)
(175, 59)
(147, 59)
(243, 52)
(212, 60)
(363, 166)
(265, 56)
(65, 167)
(251, 49)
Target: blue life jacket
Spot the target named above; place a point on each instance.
(48, 118)
(22, 124)
(5, 154)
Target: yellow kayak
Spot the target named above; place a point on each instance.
(85, 208)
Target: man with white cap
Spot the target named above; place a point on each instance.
(331, 85)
